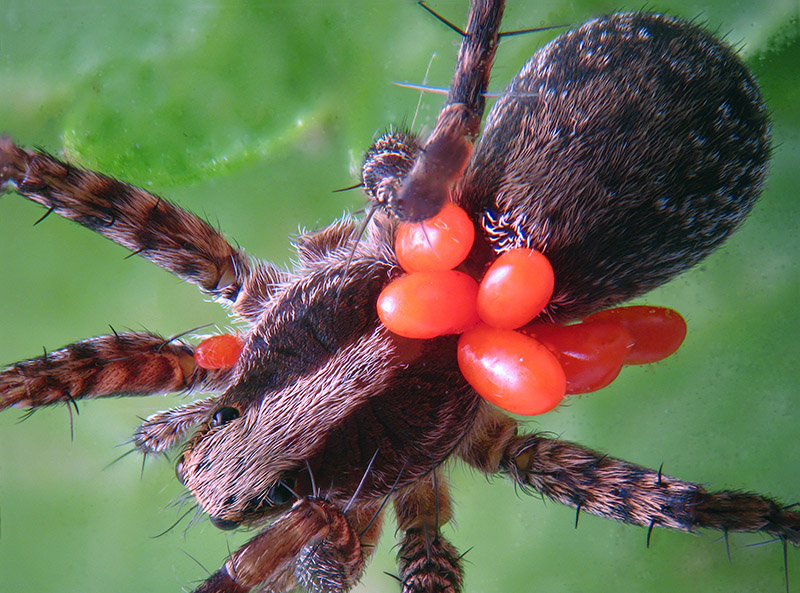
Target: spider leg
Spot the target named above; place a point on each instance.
(130, 363)
(154, 228)
(466, 99)
(313, 545)
(427, 561)
(163, 430)
(579, 477)
(449, 146)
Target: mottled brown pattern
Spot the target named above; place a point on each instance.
(269, 558)
(386, 165)
(312, 545)
(426, 560)
(428, 564)
(596, 483)
(334, 563)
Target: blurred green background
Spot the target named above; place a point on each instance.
(250, 113)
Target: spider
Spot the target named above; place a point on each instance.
(583, 403)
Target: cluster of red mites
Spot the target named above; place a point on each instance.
(521, 365)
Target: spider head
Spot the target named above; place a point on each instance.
(277, 497)
(332, 400)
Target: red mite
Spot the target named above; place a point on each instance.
(219, 352)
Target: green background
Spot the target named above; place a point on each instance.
(250, 114)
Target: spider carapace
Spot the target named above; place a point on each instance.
(626, 150)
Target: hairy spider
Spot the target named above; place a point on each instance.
(646, 410)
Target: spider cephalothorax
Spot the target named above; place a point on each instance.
(609, 153)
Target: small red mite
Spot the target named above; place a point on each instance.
(515, 288)
(591, 354)
(218, 352)
(511, 370)
(657, 331)
(429, 304)
(437, 244)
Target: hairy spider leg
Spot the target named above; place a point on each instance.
(593, 482)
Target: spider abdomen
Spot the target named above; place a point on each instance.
(625, 150)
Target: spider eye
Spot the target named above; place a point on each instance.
(223, 416)
(281, 492)
(224, 524)
(180, 471)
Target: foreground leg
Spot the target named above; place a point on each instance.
(590, 481)
(313, 545)
(428, 563)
